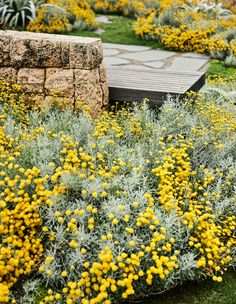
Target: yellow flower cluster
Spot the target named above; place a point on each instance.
(56, 23)
(185, 29)
(80, 10)
(59, 16)
(132, 8)
(20, 248)
(215, 241)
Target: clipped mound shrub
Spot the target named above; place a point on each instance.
(130, 204)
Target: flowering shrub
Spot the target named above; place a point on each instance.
(58, 16)
(126, 205)
(181, 25)
(193, 27)
(131, 8)
(50, 21)
(228, 53)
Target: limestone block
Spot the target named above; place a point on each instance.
(4, 51)
(103, 84)
(8, 74)
(31, 52)
(102, 72)
(88, 89)
(85, 56)
(59, 82)
(32, 79)
(105, 94)
(65, 55)
(50, 65)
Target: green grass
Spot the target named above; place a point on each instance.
(217, 68)
(121, 30)
(205, 292)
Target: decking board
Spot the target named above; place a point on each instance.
(127, 84)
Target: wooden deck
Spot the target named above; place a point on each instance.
(127, 84)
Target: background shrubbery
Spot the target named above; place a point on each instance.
(181, 25)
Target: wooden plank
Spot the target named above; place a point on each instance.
(135, 85)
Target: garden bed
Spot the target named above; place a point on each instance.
(130, 204)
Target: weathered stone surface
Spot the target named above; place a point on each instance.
(31, 52)
(8, 74)
(85, 56)
(115, 61)
(124, 47)
(32, 79)
(145, 56)
(59, 82)
(62, 68)
(102, 72)
(155, 64)
(88, 89)
(65, 55)
(4, 51)
(187, 64)
(103, 84)
(111, 52)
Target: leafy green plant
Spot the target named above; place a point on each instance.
(17, 13)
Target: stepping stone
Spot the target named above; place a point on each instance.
(124, 47)
(99, 31)
(103, 19)
(154, 64)
(148, 55)
(194, 55)
(136, 67)
(111, 61)
(110, 52)
(184, 64)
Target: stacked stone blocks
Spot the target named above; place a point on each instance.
(48, 65)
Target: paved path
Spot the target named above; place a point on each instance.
(145, 58)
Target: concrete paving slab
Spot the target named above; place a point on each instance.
(155, 64)
(99, 31)
(136, 67)
(151, 55)
(110, 52)
(103, 19)
(184, 64)
(110, 61)
(129, 48)
(194, 55)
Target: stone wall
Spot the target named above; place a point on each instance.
(48, 65)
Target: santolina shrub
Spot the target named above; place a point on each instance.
(130, 204)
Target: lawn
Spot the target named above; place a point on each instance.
(205, 292)
(121, 30)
